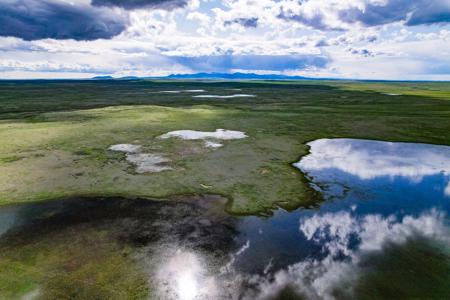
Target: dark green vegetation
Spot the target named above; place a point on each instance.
(415, 270)
(28, 98)
(55, 135)
(72, 252)
(100, 248)
(69, 265)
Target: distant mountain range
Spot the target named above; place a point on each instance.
(234, 76)
(102, 78)
(228, 76)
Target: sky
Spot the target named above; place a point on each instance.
(354, 39)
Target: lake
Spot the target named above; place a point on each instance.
(381, 231)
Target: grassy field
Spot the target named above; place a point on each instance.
(70, 265)
(55, 135)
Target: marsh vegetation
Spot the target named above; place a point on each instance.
(241, 209)
(56, 134)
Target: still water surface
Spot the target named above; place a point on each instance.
(382, 231)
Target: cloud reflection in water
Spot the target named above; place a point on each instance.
(369, 159)
(337, 233)
(339, 239)
(345, 238)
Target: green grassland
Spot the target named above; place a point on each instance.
(81, 263)
(55, 135)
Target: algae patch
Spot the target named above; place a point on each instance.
(210, 144)
(225, 96)
(183, 91)
(144, 162)
(210, 138)
(219, 134)
(148, 162)
(127, 148)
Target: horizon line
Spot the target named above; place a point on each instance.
(124, 78)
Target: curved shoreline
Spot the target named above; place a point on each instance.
(312, 197)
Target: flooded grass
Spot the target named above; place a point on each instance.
(98, 248)
(225, 96)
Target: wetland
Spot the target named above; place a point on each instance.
(317, 190)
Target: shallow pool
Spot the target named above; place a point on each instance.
(382, 231)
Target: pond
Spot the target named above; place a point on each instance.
(382, 231)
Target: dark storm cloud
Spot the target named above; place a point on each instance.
(137, 4)
(40, 19)
(433, 12)
(412, 12)
(223, 63)
(372, 15)
(245, 22)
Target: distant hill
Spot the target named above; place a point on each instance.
(234, 76)
(102, 77)
(228, 76)
(119, 78)
(130, 77)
